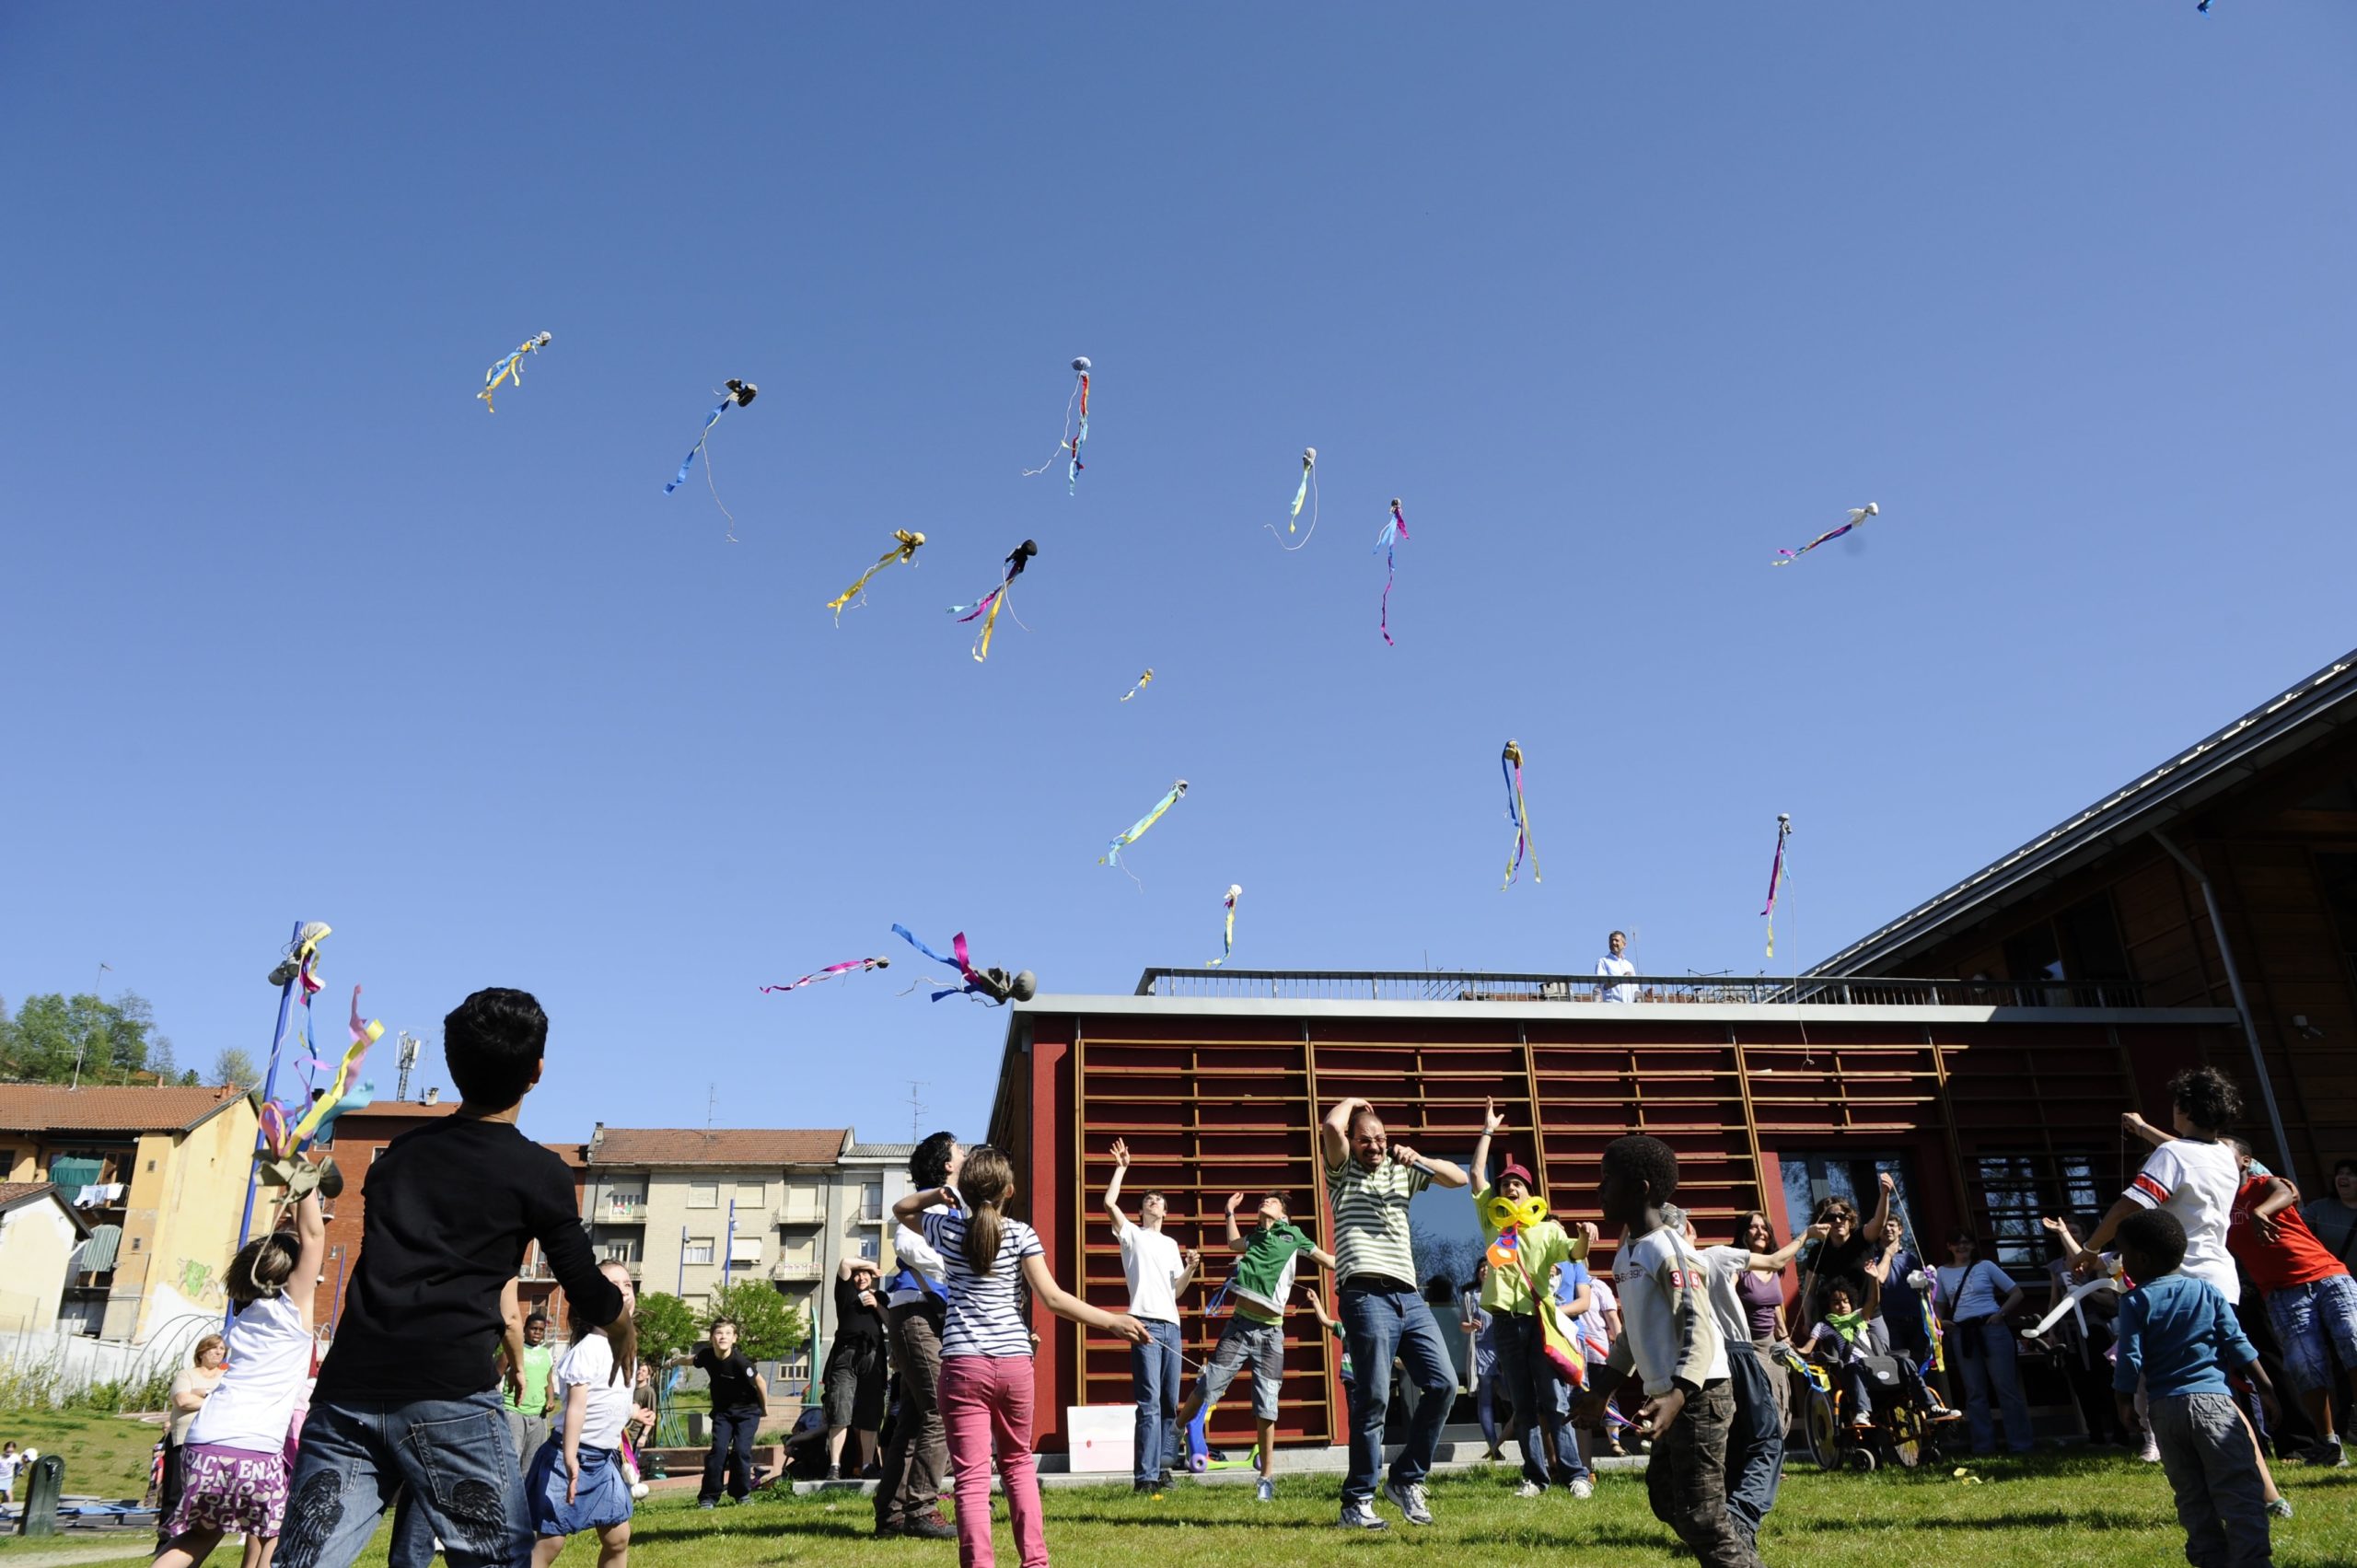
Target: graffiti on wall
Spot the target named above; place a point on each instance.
(198, 1282)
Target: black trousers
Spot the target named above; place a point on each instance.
(732, 1452)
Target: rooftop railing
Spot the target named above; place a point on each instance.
(1428, 985)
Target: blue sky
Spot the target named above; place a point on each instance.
(1618, 299)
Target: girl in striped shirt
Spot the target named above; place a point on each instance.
(985, 1389)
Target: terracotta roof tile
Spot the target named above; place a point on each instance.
(748, 1146)
(14, 1194)
(44, 1107)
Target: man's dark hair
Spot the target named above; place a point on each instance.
(1647, 1160)
(2156, 1236)
(539, 1318)
(2349, 1165)
(929, 1167)
(492, 1042)
(2208, 1097)
(721, 1321)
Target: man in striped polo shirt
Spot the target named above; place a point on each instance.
(1369, 1180)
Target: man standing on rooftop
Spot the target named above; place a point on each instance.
(1616, 963)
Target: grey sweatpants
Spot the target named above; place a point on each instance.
(2214, 1469)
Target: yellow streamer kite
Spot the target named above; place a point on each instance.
(904, 551)
(509, 369)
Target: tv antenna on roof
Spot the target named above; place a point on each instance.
(406, 1058)
(916, 1110)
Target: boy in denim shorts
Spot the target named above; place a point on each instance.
(1255, 1335)
(410, 1393)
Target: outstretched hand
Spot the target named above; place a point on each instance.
(1120, 1155)
(1129, 1329)
(1491, 1122)
(1234, 1202)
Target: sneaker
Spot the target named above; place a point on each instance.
(2326, 1452)
(1162, 1481)
(834, 1472)
(2280, 1507)
(1583, 1487)
(1410, 1499)
(1266, 1492)
(1530, 1489)
(929, 1526)
(708, 1502)
(2150, 1450)
(1361, 1515)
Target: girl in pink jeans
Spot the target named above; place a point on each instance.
(985, 1388)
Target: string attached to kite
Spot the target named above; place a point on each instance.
(1074, 439)
(1228, 941)
(1308, 492)
(1393, 531)
(1518, 813)
(991, 603)
(855, 966)
(904, 551)
(1776, 876)
(1112, 855)
(740, 395)
(1857, 514)
(509, 369)
(1143, 681)
(995, 984)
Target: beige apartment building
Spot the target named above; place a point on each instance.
(688, 1209)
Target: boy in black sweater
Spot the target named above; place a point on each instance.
(409, 1395)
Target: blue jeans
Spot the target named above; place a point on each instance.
(1755, 1441)
(1378, 1326)
(1987, 1358)
(455, 1458)
(1541, 1401)
(1154, 1376)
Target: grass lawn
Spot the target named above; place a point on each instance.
(106, 1456)
(2052, 1512)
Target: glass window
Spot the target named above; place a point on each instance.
(696, 1250)
(2018, 1190)
(703, 1194)
(871, 1202)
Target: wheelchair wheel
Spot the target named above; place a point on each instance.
(1824, 1444)
(1861, 1459)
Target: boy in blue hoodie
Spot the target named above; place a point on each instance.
(2179, 1333)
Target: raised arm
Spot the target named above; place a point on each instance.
(1063, 1304)
(2132, 1122)
(1774, 1262)
(1113, 1188)
(1884, 1184)
(1186, 1276)
(1491, 1123)
(311, 1252)
(844, 1269)
(1334, 1132)
(2281, 1195)
(910, 1207)
(2061, 1229)
(1237, 1240)
(1443, 1174)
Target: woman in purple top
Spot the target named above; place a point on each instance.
(1763, 1298)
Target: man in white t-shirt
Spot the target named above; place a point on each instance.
(1158, 1271)
(2194, 1176)
(1616, 963)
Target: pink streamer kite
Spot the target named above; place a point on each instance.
(859, 966)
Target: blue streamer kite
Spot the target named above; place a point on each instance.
(997, 984)
(740, 395)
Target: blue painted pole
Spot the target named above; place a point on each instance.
(269, 1086)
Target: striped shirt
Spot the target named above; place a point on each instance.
(1371, 1219)
(985, 1314)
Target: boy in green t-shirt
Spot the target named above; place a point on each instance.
(1522, 1367)
(1256, 1329)
(527, 1360)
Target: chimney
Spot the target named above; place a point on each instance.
(433, 1095)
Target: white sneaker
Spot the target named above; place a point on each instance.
(1583, 1487)
(1530, 1489)
(1410, 1500)
(1361, 1515)
(2281, 1508)
(1266, 1492)
(2151, 1452)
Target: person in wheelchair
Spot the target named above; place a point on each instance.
(1841, 1341)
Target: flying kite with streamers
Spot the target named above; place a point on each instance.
(1112, 855)
(1074, 440)
(1776, 876)
(1518, 813)
(740, 394)
(904, 551)
(997, 984)
(509, 369)
(1857, 514)
(991, 603)
(1143, 681)
(1228, 942)
(1394, 530)
(288, 1131)
(1308, 492)
(855, 966)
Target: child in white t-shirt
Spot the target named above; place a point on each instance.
(575, 1481)
(233, 1464)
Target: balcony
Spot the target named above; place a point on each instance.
(1812, 990)
(799, 1213)
(794, 1269)
(617, 1209)
(534, 1269)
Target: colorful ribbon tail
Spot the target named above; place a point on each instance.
(909, 937)
(1299, 496)
(982, 642)
(689, 461)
